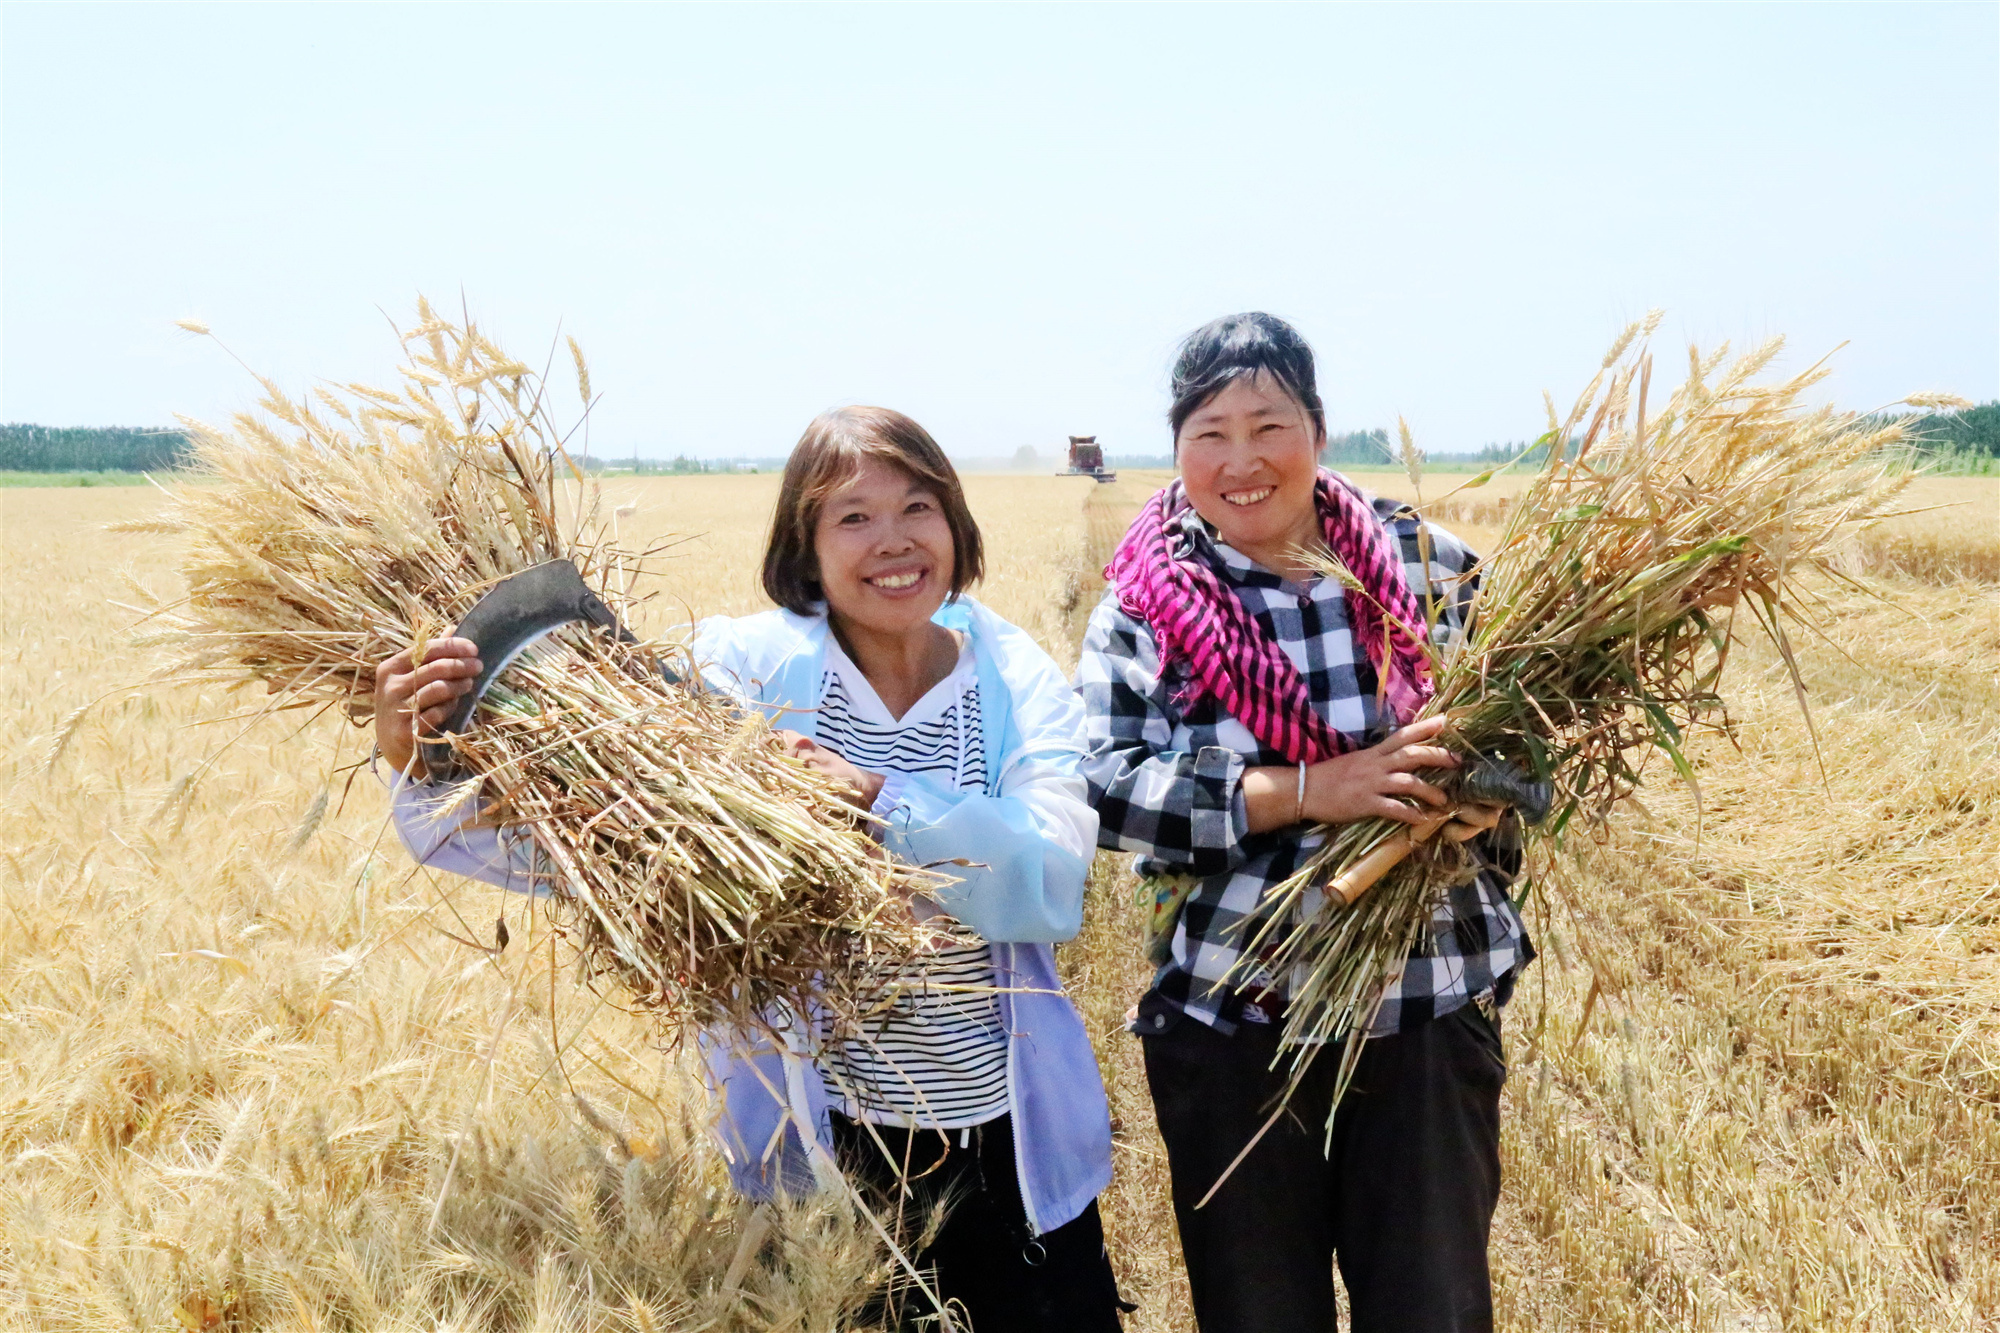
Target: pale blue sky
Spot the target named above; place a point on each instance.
(1000, 220)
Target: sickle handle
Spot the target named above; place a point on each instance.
(1360, 877)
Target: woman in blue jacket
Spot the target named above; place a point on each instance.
(978, 1086)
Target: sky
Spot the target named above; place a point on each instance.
(1000, 220)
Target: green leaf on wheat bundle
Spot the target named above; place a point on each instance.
(1593, 638)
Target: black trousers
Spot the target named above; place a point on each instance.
(1404, 1201)
(1003, 1279)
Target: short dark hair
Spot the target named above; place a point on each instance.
(1225, 350)
(827, 455)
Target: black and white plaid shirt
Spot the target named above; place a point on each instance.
(1167, 784)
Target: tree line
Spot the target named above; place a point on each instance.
(1972, 433)
(26, 448)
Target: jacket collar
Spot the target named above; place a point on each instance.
(791, 688)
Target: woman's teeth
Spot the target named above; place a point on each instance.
(894, 581)
(1248, 497)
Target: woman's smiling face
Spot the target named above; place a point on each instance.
(884, 549)
(1249, 457)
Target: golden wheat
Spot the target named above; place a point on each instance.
(1641, 552)
(710, 876)
(1744, 1129)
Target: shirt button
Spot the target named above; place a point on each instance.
(1305, 600)
(1159, 1021)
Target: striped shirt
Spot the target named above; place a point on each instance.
(1167, 784)
(936, 1057)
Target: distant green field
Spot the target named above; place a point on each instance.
(72, 479)
(1962, 465)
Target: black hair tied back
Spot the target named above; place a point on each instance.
(1228, 349)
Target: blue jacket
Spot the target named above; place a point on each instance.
(1028, 838)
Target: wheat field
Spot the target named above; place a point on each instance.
(256, 1072)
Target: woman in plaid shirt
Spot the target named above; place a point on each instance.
(1235, 700)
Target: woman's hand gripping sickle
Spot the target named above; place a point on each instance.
(413, 699)
(1456, 821)
(1379, 782)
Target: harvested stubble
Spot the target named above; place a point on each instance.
(710, 875)
(1603, 623)
(1958, 543)
(1777, 1079)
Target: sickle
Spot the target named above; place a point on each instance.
(515, 612)
(1489, 779)
(1497, 781)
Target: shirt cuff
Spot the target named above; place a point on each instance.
(394, 779)
(1220, 818)
(890, 798)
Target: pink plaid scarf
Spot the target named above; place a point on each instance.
(1197, 619)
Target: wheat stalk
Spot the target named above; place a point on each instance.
(1600, 632)
(709, 874)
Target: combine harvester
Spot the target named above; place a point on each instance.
(1086, 459)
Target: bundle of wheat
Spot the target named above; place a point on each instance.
(692, 860)
(1598, 636)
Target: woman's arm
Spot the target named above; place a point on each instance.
(439, 827)
(1194, 810)
(1185, 809)
(1026, 850)
(1013, 879)
(438, 824)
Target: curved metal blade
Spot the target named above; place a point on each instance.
(513, 614)
(1499, 782)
